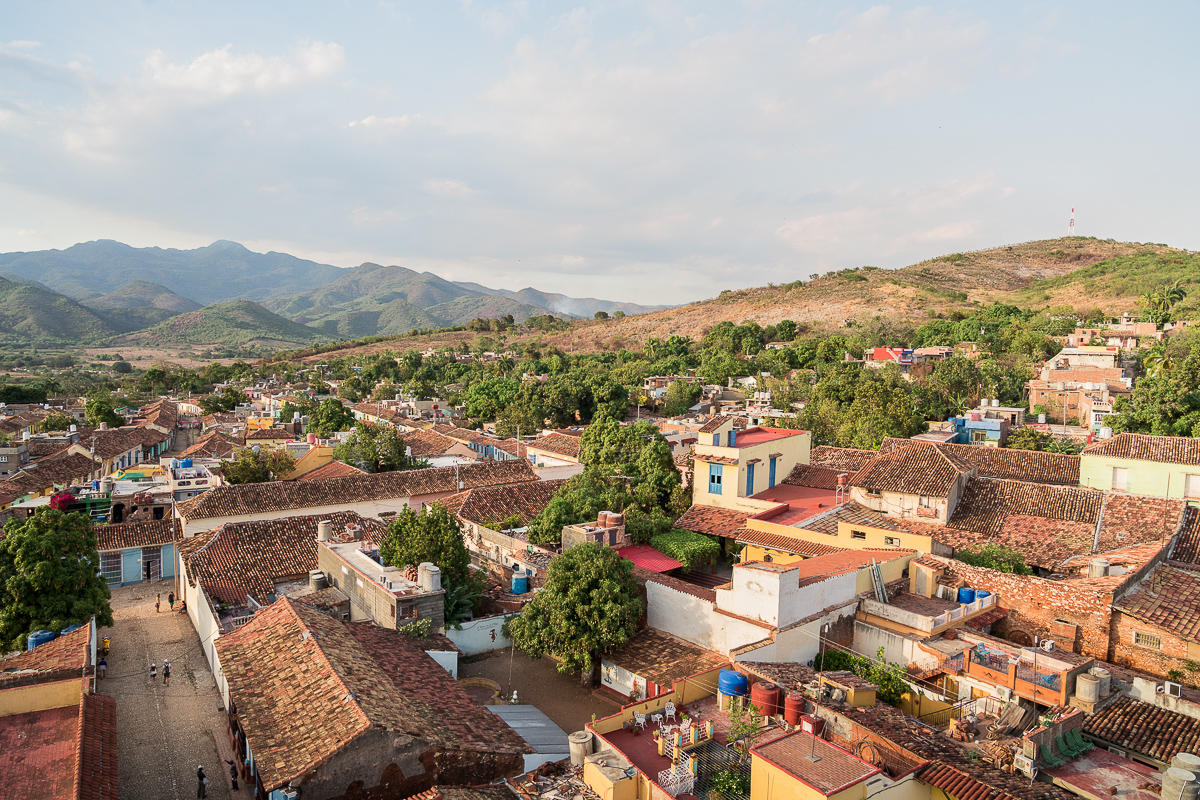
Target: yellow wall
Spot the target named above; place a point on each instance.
(1144, 477)
(626, 789)
(40, 697)
(317, 456)
(875, 537)
(793, 450)
(683, 691)
(769, 782)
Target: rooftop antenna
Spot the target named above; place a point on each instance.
(1071, 225)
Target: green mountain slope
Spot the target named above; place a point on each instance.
(30, 314)
(237, 322)
(140, 294)
(220, 272)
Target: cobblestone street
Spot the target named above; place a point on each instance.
(163, 732)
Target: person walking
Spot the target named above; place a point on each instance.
(102, 667)
(157, 603)
(233, 774)
(166, 673)
(201, 782)
(153, 674)
(171, 600)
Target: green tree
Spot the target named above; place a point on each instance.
(432, 534)
(260, 465)
(55, 422)
(588, 606)
(227, 400)
(994, 556)
(601, 315)
(374, 448)
(1027, 439)
(101, 411)
(679, 397)
(122, 367)
(328, 418)
(487, 398)
(51, 576)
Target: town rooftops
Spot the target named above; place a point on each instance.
(785, 543)
(145, 533)
(1031, 466)
(836, 770)
(60, 470)
(662, 658)
(334, 469)
(241, 559)
(1187, 546)
(829, 565)
(851, 513)
(842, 459)
(557, 444)
(645, 556)
(815, 477)
(257, 498)
(915, 469)
(491, 504)
(1144, 447)
(213, 444)
(1144, 728)
(67, 753)
(307, 685)
(65, 656)
(713, 521)
(715, 424)
(1169, 598)
(427, 443)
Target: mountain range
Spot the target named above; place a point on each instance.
(153, 294)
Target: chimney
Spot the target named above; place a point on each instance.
(103, 426)
(352, 531)
(323, 529)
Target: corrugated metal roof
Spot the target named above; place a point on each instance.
(538, 730)
(644, 555)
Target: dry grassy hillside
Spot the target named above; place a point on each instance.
(1035, 274)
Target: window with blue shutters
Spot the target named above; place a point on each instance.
(733, 438)
(771, 475)
(714, 478)
(749, 479)
(716, 440)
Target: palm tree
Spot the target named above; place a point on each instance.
(457, 603)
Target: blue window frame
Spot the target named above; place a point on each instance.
(714, 478)
(732, 438)
(749, 479)
(771, 475)
(716, 440)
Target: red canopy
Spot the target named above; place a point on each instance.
(646, 556)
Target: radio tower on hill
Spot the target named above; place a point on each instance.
(1071, 226)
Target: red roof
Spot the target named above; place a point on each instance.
(643, 555)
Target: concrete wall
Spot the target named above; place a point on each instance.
(481, 635)
(776, 598)
(447, 658)
(40, 697)
(207, 626)
(1144, 477)
(695, 620)
(896, 648)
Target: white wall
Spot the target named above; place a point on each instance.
(476, 635)
(556, 473)
(365, 508)
(697, 621)
(898, 649)
(776, 597)
(447, 658)
(208, 628)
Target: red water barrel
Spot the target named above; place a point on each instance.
(793, 708)
(765, 697)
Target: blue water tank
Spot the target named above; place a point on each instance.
(41, 637)
(184, 463)
(95, 486)
(733, 684)
(174, 463)
(966, 595)
(980, 594)
(520, 584)
(68, 629)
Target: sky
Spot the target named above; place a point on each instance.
(651, 151)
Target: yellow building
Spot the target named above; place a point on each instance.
(732, 465)
(800, 766)
(1158, 466)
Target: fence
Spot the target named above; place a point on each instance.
(983, 706)
(1040, 677)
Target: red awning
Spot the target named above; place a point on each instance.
(643, 555)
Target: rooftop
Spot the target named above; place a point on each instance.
(1144, 728)
(662, 658)
(1144, 447)
(851, 513)
(258, 498)
(1169, 597)
(842, 459)
(917, 468)
(67, 753)
(759, 435)
(62, 657)
(803, 502)
(137, 534)
(491, 504)
(999, 462)
(835, 770)
(558, 444)
(334, 469)
(645, 556)
(712, 520)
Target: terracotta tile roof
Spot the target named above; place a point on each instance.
(987, 502)
(60, 470)
(306, 685)
(851, 513)
(388, 415)
(39, 450)
(644, 575)
(257, 498)
(498, 503)
(1144, 728)
(1143, 447)
(825, 566)
(917, 468)
(246, 558)
(510, 446)
(837, 769)
(558, 444)
(428, 443)
(1031, 466)
(661, 658)
(213, 444)
(726, 461)
(97, 755)
(982, 622)
(1135, 519)
(138, 534)
(462, 434)
(712, 521)
(714, 424)
(785, 543)
(334, 469)
(1187, 547)
(1168, 598)
(39, 754)
(112, 442)
(842, 459)
(18, 422)
(449, 716)
(67, 655)
(814, 477)
(270, 434)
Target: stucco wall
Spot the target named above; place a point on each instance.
(481, 635)
(1144, 477)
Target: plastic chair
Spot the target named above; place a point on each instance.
(1075, 737)
(669, 710)
(1068, 750)
(1049, 759)
(639, 719)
